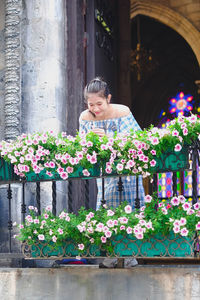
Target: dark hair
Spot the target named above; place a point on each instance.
(97, 86)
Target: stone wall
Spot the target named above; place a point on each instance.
(142, 283)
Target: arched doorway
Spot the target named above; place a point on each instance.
(170, 18)
(174, 42)
(175, 69)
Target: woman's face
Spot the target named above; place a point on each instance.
(98, 105)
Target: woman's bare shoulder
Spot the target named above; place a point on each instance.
(121, 110)
(86, 115)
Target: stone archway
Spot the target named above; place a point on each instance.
(170, 18)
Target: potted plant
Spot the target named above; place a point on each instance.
(157, 229)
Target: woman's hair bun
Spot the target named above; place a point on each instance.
(97, 86)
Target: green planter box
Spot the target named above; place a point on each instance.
(7, 172)
(123, 246)
(157, 246)
(67, 249)
(42, 176)
(172, 161)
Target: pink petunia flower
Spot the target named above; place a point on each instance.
(175, 201)
(196, 206)
(198, 226)
(36, 221)
(139, 236)
(183, 221)
(60, 231)
(54, 239)
(186, 206)
(69, 169)
(153, 152)
(119, 167)
(110, 223)
(147, 199)
(176, 229)
(128, 209)
(48, 208)
(154, 141)
(110, 212)
(177, 147)
(86, 172)
(129, 230)
(184, 231)
(175, 133)
(103, 239)
(108, 233)
(81, 246)
(185, 131)
(41, 237)
(64, 175)
(152, 162)
(181, 198)
(122, 227)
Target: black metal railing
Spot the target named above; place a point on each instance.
(153, 188)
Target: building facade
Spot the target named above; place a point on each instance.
(50, 49)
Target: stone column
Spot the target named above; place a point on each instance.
(10, 112)
(2, 66)
(44, 77)
(12, 71)
(35, 95)
(43, 66)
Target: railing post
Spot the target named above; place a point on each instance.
(195, 159)
(137, 200)
(38, 197)
(174, 180)
(103, 201)
(194, 186)
(23, 205)
(10, 225)
(70, 207)
(120, 188)
(155, 183)
(87, 199)
(54, 198)
(155, 187)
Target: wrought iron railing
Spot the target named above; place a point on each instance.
(8, 177)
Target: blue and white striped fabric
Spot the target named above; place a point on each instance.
(112, 197)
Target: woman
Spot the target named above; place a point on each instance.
(102, 117)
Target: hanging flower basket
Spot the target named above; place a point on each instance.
(121, 246)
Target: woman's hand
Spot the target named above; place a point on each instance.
(99, 131)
